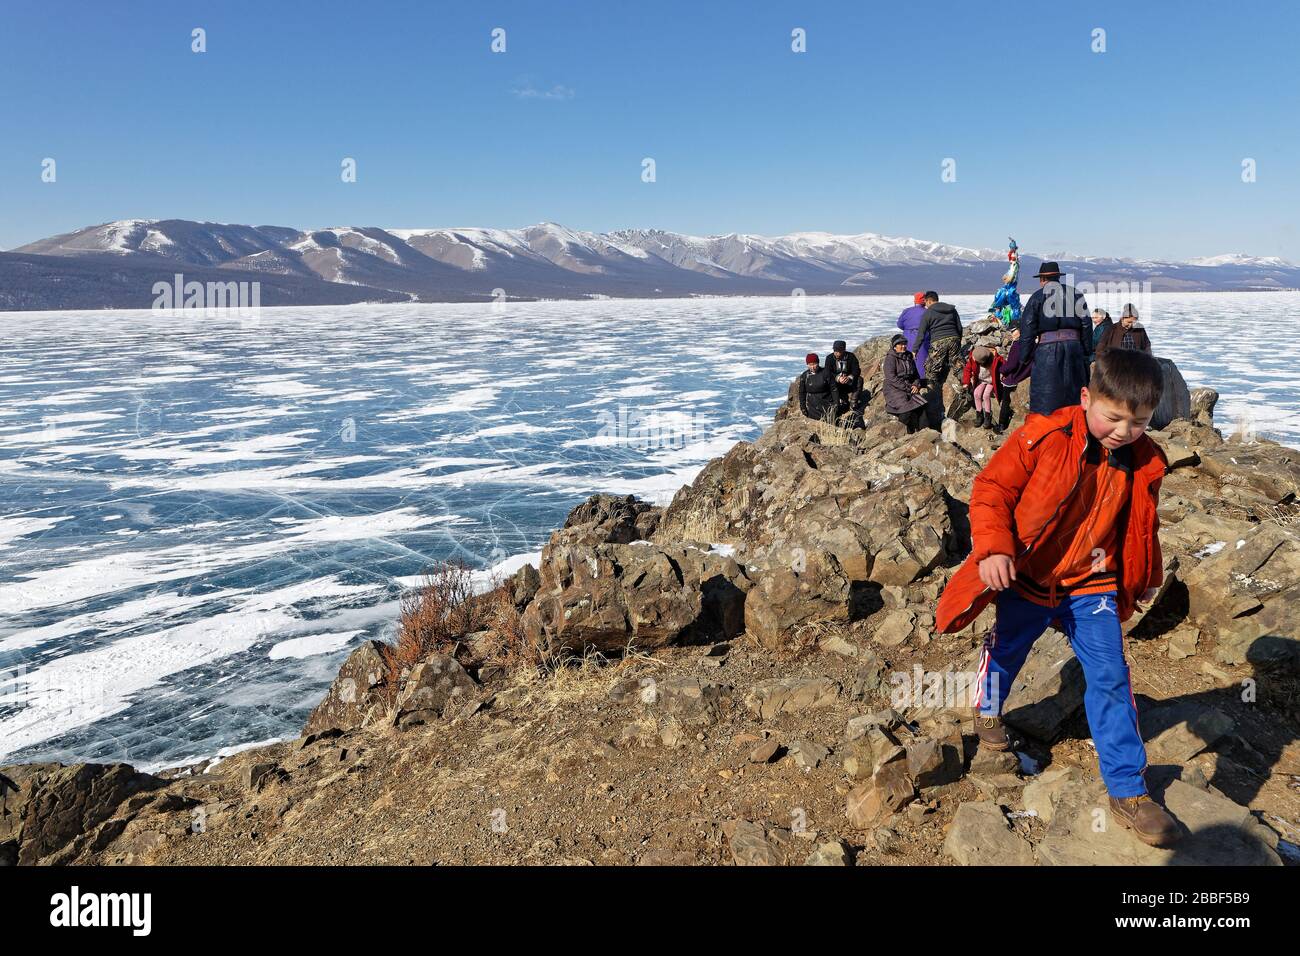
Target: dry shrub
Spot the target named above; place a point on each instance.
(433, 619)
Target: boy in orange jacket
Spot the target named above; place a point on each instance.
(1064, 530)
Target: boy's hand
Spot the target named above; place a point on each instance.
(1148, 596)
(997, 571)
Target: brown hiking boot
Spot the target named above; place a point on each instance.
(1148, 820)
(992, 733)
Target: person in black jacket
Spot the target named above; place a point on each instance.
(817, 390)
(1056, 339)
(844, 366)
(942, 324)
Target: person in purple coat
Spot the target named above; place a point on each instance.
(909, 322)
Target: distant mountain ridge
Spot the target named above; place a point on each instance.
(546, 261)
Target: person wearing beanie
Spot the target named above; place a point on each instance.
(908, 322)
(816, 390)
(847, 372)
(905, 396)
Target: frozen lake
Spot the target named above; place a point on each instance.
(200, 516)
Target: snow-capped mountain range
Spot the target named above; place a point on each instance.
(351, 263)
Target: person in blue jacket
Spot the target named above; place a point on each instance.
(909, 321)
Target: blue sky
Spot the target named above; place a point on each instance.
(1136, 151)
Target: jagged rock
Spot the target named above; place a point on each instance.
(1048, 691)
(828, 854)
(753, 845)
(1217, 832)
(1201, 405)
(435, 687)
(606, 519)
(884, 514)
(933, 762)
(257, 775)
(1175, 400)
(354, 697)
(765, 752)
(52, 811)
(689, 699)
(1183, 642)
(785, 600)
(887, 720)
(1044, 791)
(865, 806)
(1175, 733)
(806, 754)
(611, 596)
(980, 836)
(791, 695)
(524, 585)
(1238, 578)
(895, 628)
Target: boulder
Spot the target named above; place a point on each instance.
(754, 845)
(612, 596)
(437, 686)
(813, 590)
(51, 811)
(1048, 691)
(356, 696)
(1177, 732)
(607, 519)
(1217, 832)
(791, 695)
(523, 586)
(1175, 400)
(980, 836)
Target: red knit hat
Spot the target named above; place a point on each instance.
(811, 359)
(918, 298)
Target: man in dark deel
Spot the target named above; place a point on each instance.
(1056, 342)
(816, 390)
(843, 364)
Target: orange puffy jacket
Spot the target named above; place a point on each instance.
(1016, 498)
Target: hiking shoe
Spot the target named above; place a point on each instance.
(991, 733)
(1148, 820)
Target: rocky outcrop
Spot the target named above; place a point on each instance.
(775, 602)
(612, 597)
(355, 698)
(50, 812)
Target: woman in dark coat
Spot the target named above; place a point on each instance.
(1128, 334)
(817, 390)
(1056, 342)
(904, 395)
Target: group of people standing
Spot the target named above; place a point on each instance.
(1052, 344)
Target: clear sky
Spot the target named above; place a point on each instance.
(1136, 151)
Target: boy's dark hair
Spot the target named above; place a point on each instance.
(1129, 376)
